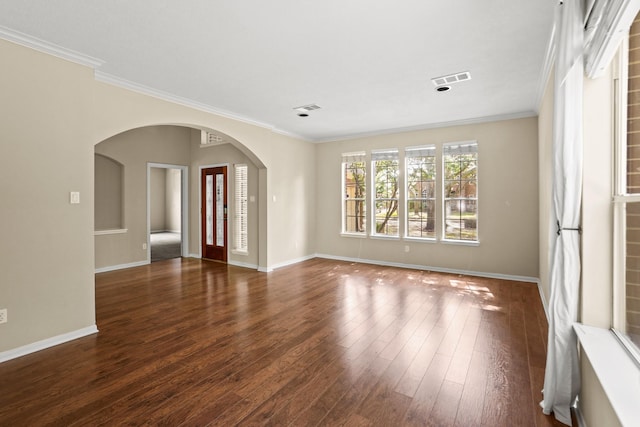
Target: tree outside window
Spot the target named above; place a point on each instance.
(421, 192)
(386, 169)
(354, 193)
(460, 168)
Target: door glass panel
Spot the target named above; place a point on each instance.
(219, 209)
(209, 210)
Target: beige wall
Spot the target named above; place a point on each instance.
(46, 151)
(108, 193)
(173, 203)
(508, 201)
(157, 199)
(134, 149)
(62, 100)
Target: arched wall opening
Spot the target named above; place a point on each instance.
(190, 147)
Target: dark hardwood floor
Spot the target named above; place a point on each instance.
(190, 342)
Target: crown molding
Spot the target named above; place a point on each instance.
(463, 122)
(186, 102)
(49, 48)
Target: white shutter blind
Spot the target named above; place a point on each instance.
(427, 151)
(353, 157)
(458, 149)
(240, 232)
(384, 155)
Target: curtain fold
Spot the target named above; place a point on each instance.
(562, 380)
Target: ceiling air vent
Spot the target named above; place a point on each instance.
(451, 78)
(307, 108)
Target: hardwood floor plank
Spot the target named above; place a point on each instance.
(187, 342)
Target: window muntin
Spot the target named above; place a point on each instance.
(385, 171)
(241, 215)
(420, 173)
(354, 193)
(460, 183)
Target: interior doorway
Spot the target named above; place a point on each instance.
(167, 211)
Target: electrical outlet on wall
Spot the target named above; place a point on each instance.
(144, 246)
(3, 315)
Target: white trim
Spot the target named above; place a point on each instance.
(291, 262)
(184, 205)
(617, 372)
(544, 301)
(197, 256)
(47, 343)
(357, 235)
(186, 102)
(431, 268)
(242, 264)
(460, 242)
(49, 48)
(453, 123)
(580, 415)
(121, 266)
(265, 269)
(112, 231)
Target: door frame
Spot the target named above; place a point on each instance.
(184, 206)
(216, 165)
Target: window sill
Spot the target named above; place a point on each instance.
(420, 239)
(617, 372)
(383, 237)
(356, 235)
(461, 242)
(106, 232)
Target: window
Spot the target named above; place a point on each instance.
(627, 198)
(240, 232)
(460, 181)
(354, 193)
(385, 169)
(421, 192)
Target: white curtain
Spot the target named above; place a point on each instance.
(562, 380)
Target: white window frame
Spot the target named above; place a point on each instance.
(347, 158)
(443, 213)
(382, 155)
(420, 152)
(620, 199)
(241, 210)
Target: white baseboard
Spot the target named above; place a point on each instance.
(242, 264)
(291, 262)
(432, 268)
(121, 266)
(198, 256)
(545, 305)
(46, 343)
(580, 416)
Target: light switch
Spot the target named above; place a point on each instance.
(74, 197)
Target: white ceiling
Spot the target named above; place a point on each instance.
(367, 63)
